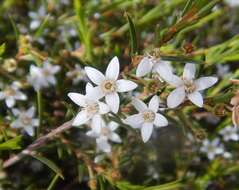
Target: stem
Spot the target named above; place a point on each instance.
(38, 143)
(4, 133)
(39, 108)
(53, 182)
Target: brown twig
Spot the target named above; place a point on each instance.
(38, 143)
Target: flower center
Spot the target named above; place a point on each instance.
(92, 108)
(104, 131)
(189, 86)
(10, 92)
(26, 120)
(108, 86)
(46, 73)
(148, 116)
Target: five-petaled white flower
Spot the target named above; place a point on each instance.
(212, 148)
(43, 76)
(92, 109)
(147, 117)
(11, 94)
(106, 133)
(187, 86)
(25, 120)
(229, 133)
(108, 85)
(151, 64)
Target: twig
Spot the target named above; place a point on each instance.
(38, 143)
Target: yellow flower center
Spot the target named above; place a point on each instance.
(26, 120)
(189, 86)
(148, 116)
(108, 86)
(10, 92)
(92, 108)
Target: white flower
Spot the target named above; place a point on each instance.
(37, 17)
(43, 76)
(147, 117)
(108, 85)
(148, 64)
(92, 109)
(187, 86)
(25, 120)
(106, 133)
(77, 74)
(229, 133)
(212, 148)
(11, 94)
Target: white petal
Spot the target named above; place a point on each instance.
(29, 130)
(103, 145)
(115, 138)
(34, 24)
(172, 79)
(205, 82)
(160, 120)
(125, 85)
(164, 69)
(88, 88)
(113, 125)
(16, 124)
(139, 105)
(154, 103)
(189, 71)
(30, 112)
(20, 96)
(81, 118)
(77, 98)
(16, 112)
(95, 93)
(104, 108)
(35, 122)
(146, 131)
(196, 98)
(92, 133)
(112, 71)
(113, 101)
(2, 95)
(10, 102)
(176, 97)
(96, 123)
(134, 120)
(94, 75)
(144, 67)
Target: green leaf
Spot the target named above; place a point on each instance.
(41, 28)
(2, 48)
(50, 164)
(12, 144)
(133, 38)
(188, 5)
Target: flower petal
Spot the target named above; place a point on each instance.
(103, 145)
(144, 67)
(196, 98)
(205, 82)
(94, 75)
(176, 97)
(112, 71)
(30, 112)
(113, 125)
(103, 108)
(81, 118)
(139, 105)
(172, 79)
(146, 131)
(154, 103)
(77, 98)
(96, 123)
(95, 93)
(29, 130)
(189, 71)
(10, 102)
(163, 68)
(135, 120)
(115, 138)
(125, 85)
(160, 120)
(113, 101)
(88, 88)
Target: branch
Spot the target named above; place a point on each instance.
(38, 143)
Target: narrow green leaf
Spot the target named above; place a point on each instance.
(50, 164)
(2, 48)
(188, 5)
(41, 28)
(53, 182)
(16, 31)
(12, 144)
(133, 38)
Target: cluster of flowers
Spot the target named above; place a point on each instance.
(93, 110)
